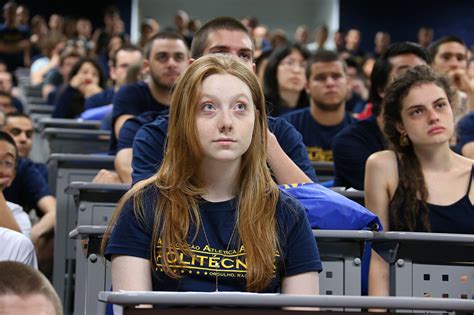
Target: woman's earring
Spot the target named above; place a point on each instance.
(404, 141)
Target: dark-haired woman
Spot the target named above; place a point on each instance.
(421, 185)
(284, 80)
(85, 79)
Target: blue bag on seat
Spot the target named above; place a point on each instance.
(329, 210)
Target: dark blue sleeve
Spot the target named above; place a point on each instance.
(43, 170)
(17, 104)
(299, 248)
(148, 148)
(350, 153)
(465, 131)
(63, 101)
(98, 100)
(126, 102)
(127, 134)
(291, 142)
(130, 236)
(30, 185)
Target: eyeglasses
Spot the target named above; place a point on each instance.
(8, 164)
(293, 63)
(17, 131)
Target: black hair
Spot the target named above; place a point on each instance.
(5, 136)
(382, 68)
(220, 23)
(160, 35)
(324, 56)
(270, 80)
(93, 61)
(433, 49)
(124, 47)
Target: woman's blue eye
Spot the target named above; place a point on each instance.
(241, 107)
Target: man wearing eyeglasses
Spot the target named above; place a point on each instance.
(166, 57)
(328, 87)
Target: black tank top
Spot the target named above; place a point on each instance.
(454, 218)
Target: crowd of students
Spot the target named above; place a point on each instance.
(207, 120)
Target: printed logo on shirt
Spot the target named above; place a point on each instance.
(317, 154)
(205, 260)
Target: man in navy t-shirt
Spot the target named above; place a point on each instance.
(286, 154)
(328, 87)
(166, 57)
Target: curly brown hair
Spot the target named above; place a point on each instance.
(411, 193)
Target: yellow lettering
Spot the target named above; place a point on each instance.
(225, 265)
(213, 262)
(240, 264)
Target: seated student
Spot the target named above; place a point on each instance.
(287, 156)
(29, 189)
(284, 80)
(328, 87)
(214, 197)
(353, 145)
(6, 104)
(6, 85)
(121, 60)
(24, 290)
(421, 185)
(20, 127)
(16, 247)
(12, 215)
(85, 79)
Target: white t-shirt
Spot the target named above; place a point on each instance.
(15, 246)
(21, 217)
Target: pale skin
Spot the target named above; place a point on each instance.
(427, 119)
(224, 122)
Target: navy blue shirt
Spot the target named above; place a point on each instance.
(17, 104)
(132, 99)
(29, 186)
(351, 149)
(131, 127)
(100, 99)
(465, 131)
(297, 253)
(149, 144)
(69, 103)
(317, 138)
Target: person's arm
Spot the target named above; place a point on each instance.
(123, 164)
(119, 123)
(462, 82)
(291, 142)
(283, 168)
(47, 205)
(6, 217)
(124, 280)
(304, 284)
(376, 200)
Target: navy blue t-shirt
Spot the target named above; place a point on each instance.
(465, 131)
(149, 143)
(132, 125)
(317, 138)
(29, 186)
(298, 250)
(132, 99)
(351, 149)
(10, 36)
(100, 99)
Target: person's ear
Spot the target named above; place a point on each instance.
(400, 128)
(191, 60)
(254, 68)
(146, 66)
